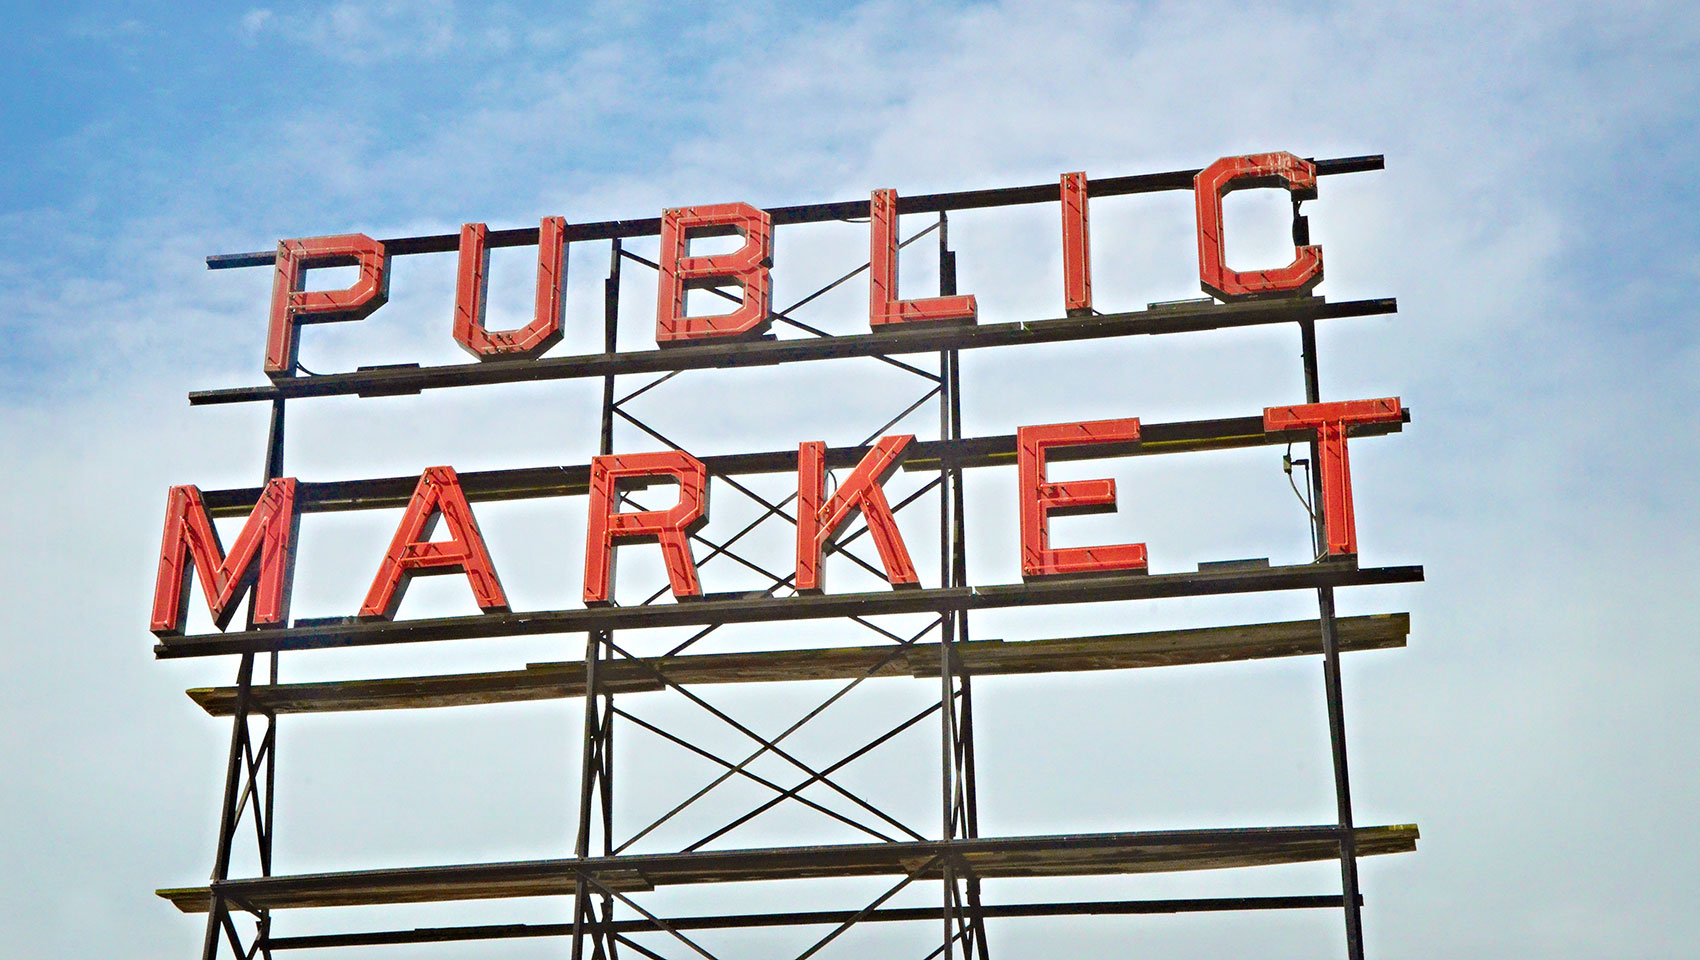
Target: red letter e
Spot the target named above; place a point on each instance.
(1040, 498)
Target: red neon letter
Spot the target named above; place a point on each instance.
(472, 287)
(883, 305)
(292, 305)
(1041, 498)
(190, 537)
(818, 524)
(413, 553)
(746, 267)
(1330, 420)
(1076, 247)
(1237, 173)
(670, 528)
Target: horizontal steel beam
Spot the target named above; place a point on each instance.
(1186, 316)
(543, 681)
(924, 455)
(758, 607)
(817, 212)
(995, 911)
(1094, 854)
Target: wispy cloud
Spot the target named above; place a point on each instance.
(1536, 221)
(364, 34)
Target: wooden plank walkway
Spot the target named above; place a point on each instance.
(544, 681)
(1047, 856)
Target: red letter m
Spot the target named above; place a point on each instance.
(268, 535)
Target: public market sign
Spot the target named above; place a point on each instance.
(261, 558)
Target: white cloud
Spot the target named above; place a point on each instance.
(365, 34)
(255, 22)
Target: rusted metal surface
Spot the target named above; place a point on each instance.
(1067, 908)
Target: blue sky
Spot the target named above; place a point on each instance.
(1537, 220)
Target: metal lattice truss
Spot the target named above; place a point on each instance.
(608, 872)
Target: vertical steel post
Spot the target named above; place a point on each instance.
(959, 578)
(595, 760)
(240, 740)
(274, 470)
(227, 814)
(589, 767)
(1331, 677)
(960, 816)
(605, 446)
(947, 628)
(610, 342)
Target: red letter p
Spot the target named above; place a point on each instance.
(292, 305)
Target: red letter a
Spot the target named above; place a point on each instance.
(190, 537)
(413, 553)
(818, 523)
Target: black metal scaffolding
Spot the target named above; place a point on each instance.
(605, 876)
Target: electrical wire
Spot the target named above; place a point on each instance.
(1287, 464)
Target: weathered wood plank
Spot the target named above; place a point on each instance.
(544, 681)
(759, 607)
(1067, 855)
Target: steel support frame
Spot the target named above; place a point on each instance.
(595, 929)
(250, 776)
(1086, 908)
(1351, 899)
(962, 914)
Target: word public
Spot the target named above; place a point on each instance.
(749, 268)
(262, 557)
